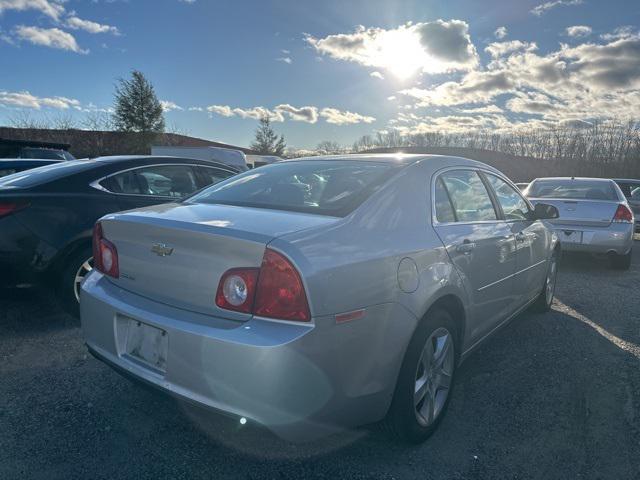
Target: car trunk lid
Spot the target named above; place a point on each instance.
(588, 213)
(176, 253)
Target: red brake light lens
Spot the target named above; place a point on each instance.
(280, 292)
(237, 289)
(274, 290)
(623, 214)
(11, 207)
(105, 254)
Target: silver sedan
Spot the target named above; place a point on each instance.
(595, 216)
(319, 294)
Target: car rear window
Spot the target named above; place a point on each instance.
(333, 188)
(48, 173)
(572, 189)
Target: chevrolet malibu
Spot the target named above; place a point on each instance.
(319, 294)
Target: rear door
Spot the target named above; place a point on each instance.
(530, 239)
(480, 244)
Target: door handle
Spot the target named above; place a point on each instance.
(520, 237)
(465, 247)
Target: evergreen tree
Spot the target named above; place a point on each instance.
(137, 108)
(267, 141)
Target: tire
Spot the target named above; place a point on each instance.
(621, 262)
(411, 421)
(545, 299)
(68, 288)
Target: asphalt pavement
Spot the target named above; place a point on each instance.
(549, 396)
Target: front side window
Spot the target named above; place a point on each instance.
(470, 199)
(211, 176)
(175, 181)
(512, 203)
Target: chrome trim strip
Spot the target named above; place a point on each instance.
(512, 275)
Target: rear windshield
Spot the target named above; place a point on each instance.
(48, 173)
(573, 189)
(333, 188)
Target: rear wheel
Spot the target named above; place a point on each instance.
(426, 379)
(545, 299)
(621, 262)
(78, 266)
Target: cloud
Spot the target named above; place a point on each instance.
(255, 113)
(543, 8)
(168, 106)
(499, 49)
(500, 32)
(578, 31)
(377, 75)
(25, 99)
(52, 9)
(49, 37)
(344, 117)
(431, 47)
(76, 23)
(583, 82)
(307, 114)
(302, 114)
(285, 60)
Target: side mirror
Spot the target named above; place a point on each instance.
(544, 211)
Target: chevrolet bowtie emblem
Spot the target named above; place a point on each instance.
(161, 249)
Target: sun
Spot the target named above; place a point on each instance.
(401, 53)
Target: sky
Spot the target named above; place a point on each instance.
(326, 70)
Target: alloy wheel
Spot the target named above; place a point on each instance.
(434, 373)
(82, 272)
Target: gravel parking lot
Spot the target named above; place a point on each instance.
(550, 396)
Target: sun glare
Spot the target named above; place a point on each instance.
(402, 54)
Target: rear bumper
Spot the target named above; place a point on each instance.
(301, 381)
(614, 238)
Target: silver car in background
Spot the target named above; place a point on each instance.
(318, 294)
(594, 215)
(631, 190)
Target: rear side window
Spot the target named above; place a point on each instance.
(469, 197)
(175, 181)
(573, 189)
(444, 210)
(311, 186)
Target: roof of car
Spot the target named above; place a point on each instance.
(396, 158)
(626, 180)
(580, 179)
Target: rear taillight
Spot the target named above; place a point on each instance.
(237, 289)
(623, 214)
(105, 254)
(11, 207)
(275, 290)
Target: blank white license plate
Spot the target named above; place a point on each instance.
(147, 344)
(570, 236)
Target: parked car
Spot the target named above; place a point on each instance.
(47, 214)
(228, 156)
(35, 150)
(631, 190)
(9, 166)
(522, 186)
(322, 293)
(594, 215)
